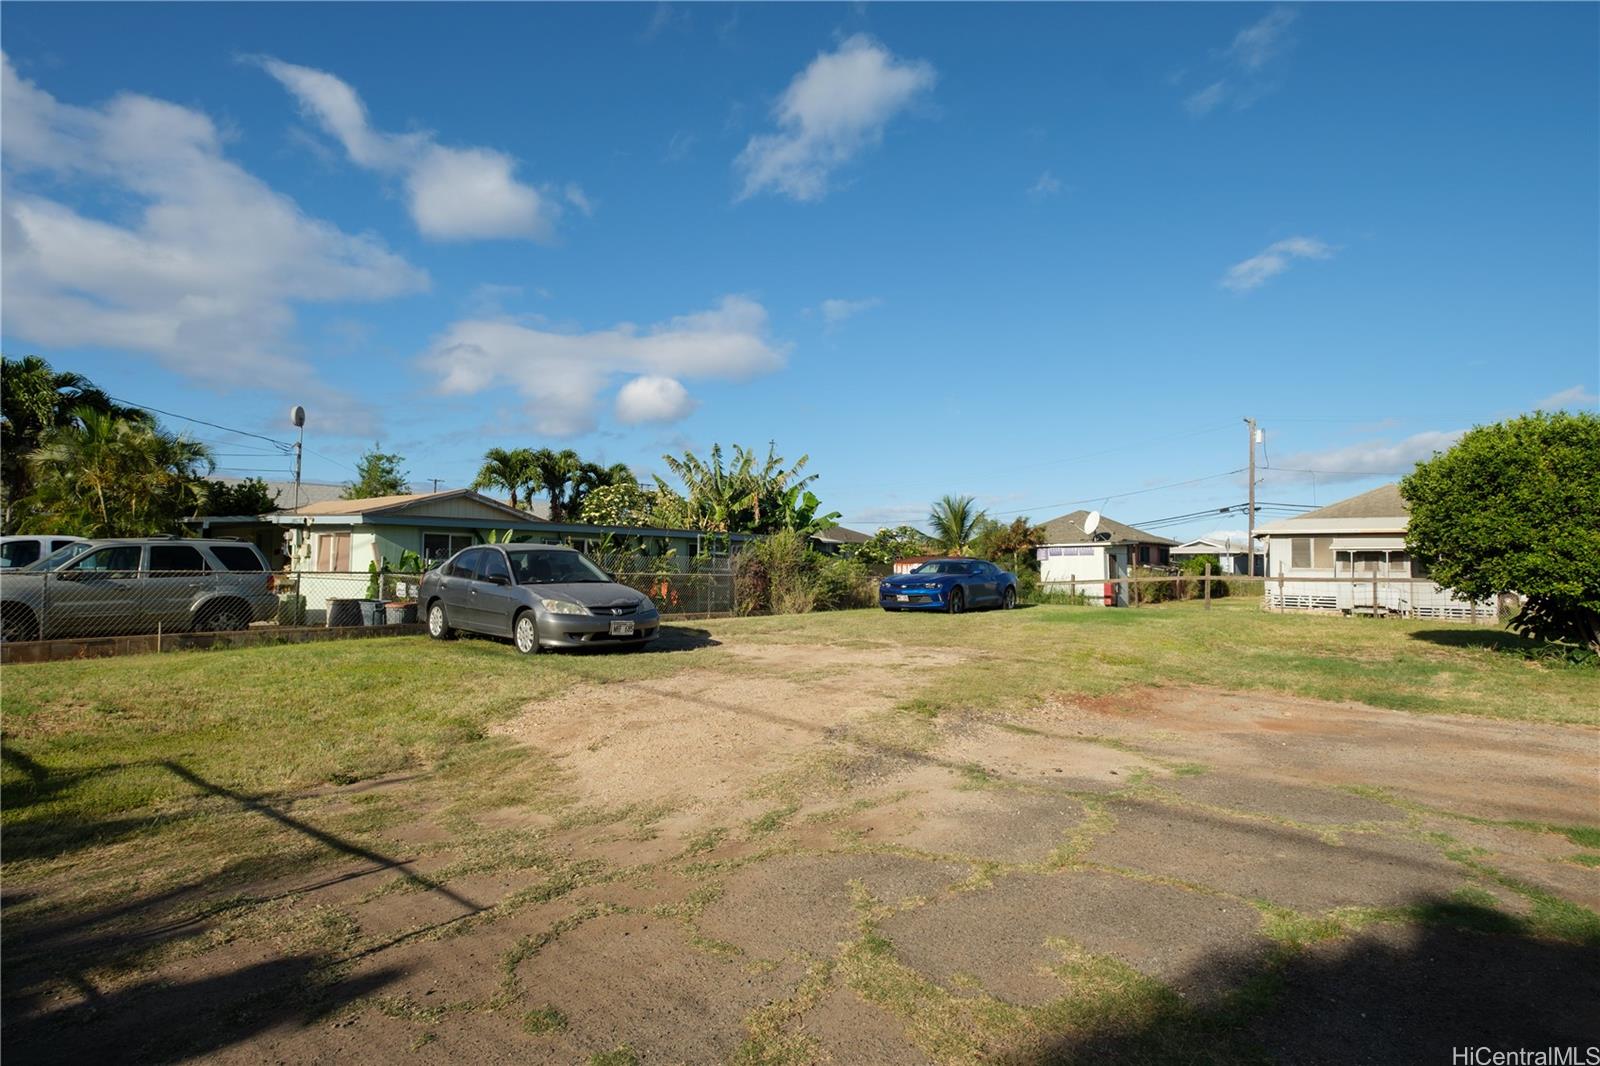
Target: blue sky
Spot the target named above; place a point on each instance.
(1039, 254)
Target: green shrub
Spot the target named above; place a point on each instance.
(781, 574)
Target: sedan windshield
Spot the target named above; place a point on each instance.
(551, 568)
(943, 567)
(64, 554)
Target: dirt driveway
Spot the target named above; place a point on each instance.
(769, 862)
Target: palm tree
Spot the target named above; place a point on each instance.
(552, 471)
(105, 476)
(508, 469)
(954, 521)
(35, 399)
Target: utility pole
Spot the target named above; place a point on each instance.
(1250, 535)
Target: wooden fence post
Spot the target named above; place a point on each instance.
(1208, 586)
(1282, 607)
(1374, 594)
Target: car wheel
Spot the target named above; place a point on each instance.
(438, 625)
(525, 632)
(222, 617)
(957, 602)
(18, 623)
(1008, 599)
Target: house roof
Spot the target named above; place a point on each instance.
(1068, 529)
(392, 504)
(283, 491)
(841, 535)
(1208, 546)
(1379, 510)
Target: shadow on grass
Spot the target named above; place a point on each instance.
(1477, 637)
(1464, 977)
(157, 1020)
(163, 1021)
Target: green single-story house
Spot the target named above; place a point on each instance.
(345, 536)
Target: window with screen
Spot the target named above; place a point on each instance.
(123, 558)
(333, 552)
(237, 557)
(167, 558)
(437, 547)
(1300, 553)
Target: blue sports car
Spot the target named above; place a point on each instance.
(950, 585)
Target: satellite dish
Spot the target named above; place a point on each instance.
(297, 415)
(1091, 523)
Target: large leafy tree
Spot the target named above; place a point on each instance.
(620, 504)
(250, 496)
(586, 477)
(887, 545)
(511, 469)
(1515, 507)
(102, 475)
(1011, 544)
(36, 399)
(378, 473)
(954, 521)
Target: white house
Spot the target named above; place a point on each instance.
(1357, 540)
(1072, 559)
(1231, 558)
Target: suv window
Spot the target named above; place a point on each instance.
(119, 557)
(466, 564)
(180, 557)
(58, 544)
(492, 564)
(19, 553)
(237, 557)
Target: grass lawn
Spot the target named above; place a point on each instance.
(147, 776)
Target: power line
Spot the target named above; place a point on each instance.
(1122, 495)
(202, 422)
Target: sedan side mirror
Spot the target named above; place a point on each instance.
(498, 579)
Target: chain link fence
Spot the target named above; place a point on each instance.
(84, 604)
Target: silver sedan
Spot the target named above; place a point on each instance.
(541, 596)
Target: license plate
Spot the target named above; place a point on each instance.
(622, 629)
(902, 599)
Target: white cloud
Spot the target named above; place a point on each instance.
(202, 263)
(1047, 185)
(561, 374)
(1248, 68)
(1205, 100)
(1378, 458)
(836, 311)
(653, 398)
(453, 193)
(1578, 397)
(835, 108)
(1272, 261)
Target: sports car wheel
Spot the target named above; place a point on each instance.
(526, 633)
(1008, 599)
(438, 625)
(957, 602)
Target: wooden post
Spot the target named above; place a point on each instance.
(1374, 594)
(1072, 592)
(1281, 606)
(1208, 586)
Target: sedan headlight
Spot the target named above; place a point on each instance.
(555, 606)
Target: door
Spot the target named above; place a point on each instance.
(97, 594)
(494, 604)
(175, 578)
(455, 587)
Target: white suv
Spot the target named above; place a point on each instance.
(123, 587)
